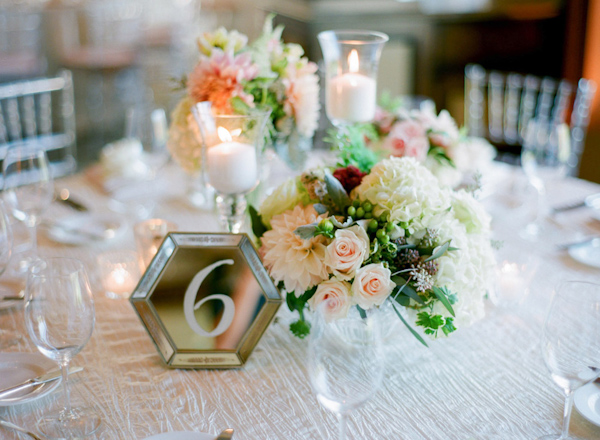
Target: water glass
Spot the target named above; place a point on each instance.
(345, 361)
(59, 315)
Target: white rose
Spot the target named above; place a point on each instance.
(372, 285)
(347, 252)
(337, 295)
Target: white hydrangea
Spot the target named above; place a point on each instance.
(406, 190)
(470, 212)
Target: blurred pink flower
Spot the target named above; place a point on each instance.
(407, 139)
(302, 97)
(221, 77)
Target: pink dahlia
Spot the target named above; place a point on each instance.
(296, 262)
(221, 77)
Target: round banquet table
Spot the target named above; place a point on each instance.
(487, 381)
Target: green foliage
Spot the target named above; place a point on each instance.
(433, 323)
(352, 148)
(258, 228)
(300, 328)
(390, 103)
(441, 296)
(412, 330)
(440, 155)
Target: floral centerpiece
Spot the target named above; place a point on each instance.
(366, 236)
(237, 78)
(432, 139)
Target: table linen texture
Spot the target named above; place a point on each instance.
(485, 382)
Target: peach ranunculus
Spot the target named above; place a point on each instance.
(347, 252)
(372, 285)
(407, 139)
(296, 262)
(336, 293)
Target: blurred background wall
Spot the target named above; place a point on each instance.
(127, 53)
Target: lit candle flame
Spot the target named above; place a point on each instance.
(224, 134)
(353, 61)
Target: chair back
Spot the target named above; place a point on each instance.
(499, 106)
(41, 111)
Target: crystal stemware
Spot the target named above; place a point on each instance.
(544, 158)
(345, 361)
(233, 147)
(59, 315)
(28, 189)
(7, 338)
(570, 342)
(351, 60)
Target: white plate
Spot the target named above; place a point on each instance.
(587, 253)
(84, 229)
(18, 367)
(180, 435)
(587, 402)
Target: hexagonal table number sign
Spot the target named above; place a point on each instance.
(206, 299)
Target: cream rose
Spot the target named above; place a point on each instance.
(372, 285)
(337, 295)
(347, 251)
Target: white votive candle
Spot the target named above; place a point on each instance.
(352, 97)
(232, 167)
(120, 282)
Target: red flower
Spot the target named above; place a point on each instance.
(350, 177)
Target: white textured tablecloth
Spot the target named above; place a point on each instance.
(487, 381)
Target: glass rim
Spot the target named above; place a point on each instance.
(560, 287)
(78, 266)
(344, 36)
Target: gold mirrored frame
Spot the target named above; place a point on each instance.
(212, 268)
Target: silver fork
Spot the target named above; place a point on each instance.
(7, 424)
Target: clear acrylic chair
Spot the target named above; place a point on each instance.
(41, 111)
(499, 106)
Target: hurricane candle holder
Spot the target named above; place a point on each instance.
(351, 59)
(233, 146)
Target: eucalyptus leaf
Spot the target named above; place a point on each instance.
(406, 289)
(439, 293)
(336, 191)
(307, 231)
(412, 330)
(441, 250)
(320, 208)
(403, 300)
(408, 246)
(361, 312)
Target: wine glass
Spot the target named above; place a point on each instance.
(570, 342)
(28, 188)
(346, 361)
(152, 131)
(544, 158)
(59, 314)
(7, 338)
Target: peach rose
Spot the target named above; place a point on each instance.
(372, 285)
(337, 295)
(347, 251)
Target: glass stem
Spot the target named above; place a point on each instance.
(567, 414)
(342, 419)
(64, 369)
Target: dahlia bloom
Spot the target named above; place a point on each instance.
(221, 77)
(298, 263)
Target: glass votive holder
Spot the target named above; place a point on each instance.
(149, 235)
(514, 273)
(120, 272)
